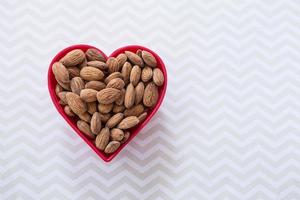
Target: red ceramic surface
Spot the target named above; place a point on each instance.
(72, 121)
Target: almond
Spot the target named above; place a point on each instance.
(96, 123)
(150, 95)
(135, 75)
(149, 59)
(91, 107)
(116, 134)
(60, 72)
(85, 128)
(113, 65)
(94, 54)
(73, 72)
(118, 108)
(125, 138)
(66, 86)
(85, 117)
(139, 92)
(114, 120)
(91, 74)
(120, 100)
(102, 139)
(158, 77)
(76, 104)
(134, 111)
(105, 108)
(83, 64)
(128, 122)
(62, 96)
(147, 74)
(68, 111)
(61, 102)
(129, 96)
(108, 95)
(112, 147)
(135, 59)
(58, 89)
(105, 117)
(76, 84)
(116, 83)
(73, 58)
(142, 117)
(139, 53)
(121, 58)
(88, 95)
(126, 70)
(98, 64)
(96, 85)
(112, 76)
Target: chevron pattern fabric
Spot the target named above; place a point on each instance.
(229, 127)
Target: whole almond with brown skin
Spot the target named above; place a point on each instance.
(142, 117)
(85, 128)
(76, 104)
(96, 123)
(149, 59)
(112, 147)
(113, 76)
(121, 58)
(135, 75)
(108, 95)
(126, 137)
(68, 111)
(91, 74)
(85, 117)
(139, 92)
(92, 107)
(113, 65)
(118, 108)
(89, 95)
(73, 72)
(66, 86)
(60, 72)
(129, 96)
(73, 58)
(158, 77)
(98, 64)
(96, 85)
(134, 111)
(62, 97)
(105, 108)
(135, 59)
(105, 117)
(120, 101)
(58, 89)
(116, 134)
(94, 54)
(114, 120)
(76, 84)
(150, 95)
(102, 139)
(128, 122)
(116, 83)
(147, 74)
(126, 70)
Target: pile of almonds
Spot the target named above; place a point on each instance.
(107, 97)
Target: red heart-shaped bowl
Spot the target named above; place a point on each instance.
(72, 121)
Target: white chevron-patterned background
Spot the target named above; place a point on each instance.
(229, 127)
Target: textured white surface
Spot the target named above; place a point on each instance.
(229, 127)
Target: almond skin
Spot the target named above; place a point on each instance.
(85, 117)
(76, 104)
(62, 96)
(135, 75)
(88, 95)
(113, 76)
(142, 117)
(139, 92)
(60, 72)
(85, 128)
(113, 65)
(139, 53)
(68, 111)
(105, 108)
(91, 107)
(96, 123)
(91, 74)
(120, 101)
(76, 84)
(126, 137)
(129, 96)
(114, 120)
(112, 147)
(135, 59)
(116, 83)
(121, 58)
(105, 117)
(98, 64)
(128, 122)
(102, 139)
(96, 85)
(83, 64)
(150, 95)
(118, 108)
(116, 134)
(126, 70)
(149, 59)
(108, 95)
(73, 58)
(134, 111)
(58, 89)
(147, 74)
(73, 72)
(158, 77)
(94, 54)
(66, 86)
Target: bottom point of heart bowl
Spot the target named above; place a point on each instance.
(72, 121)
